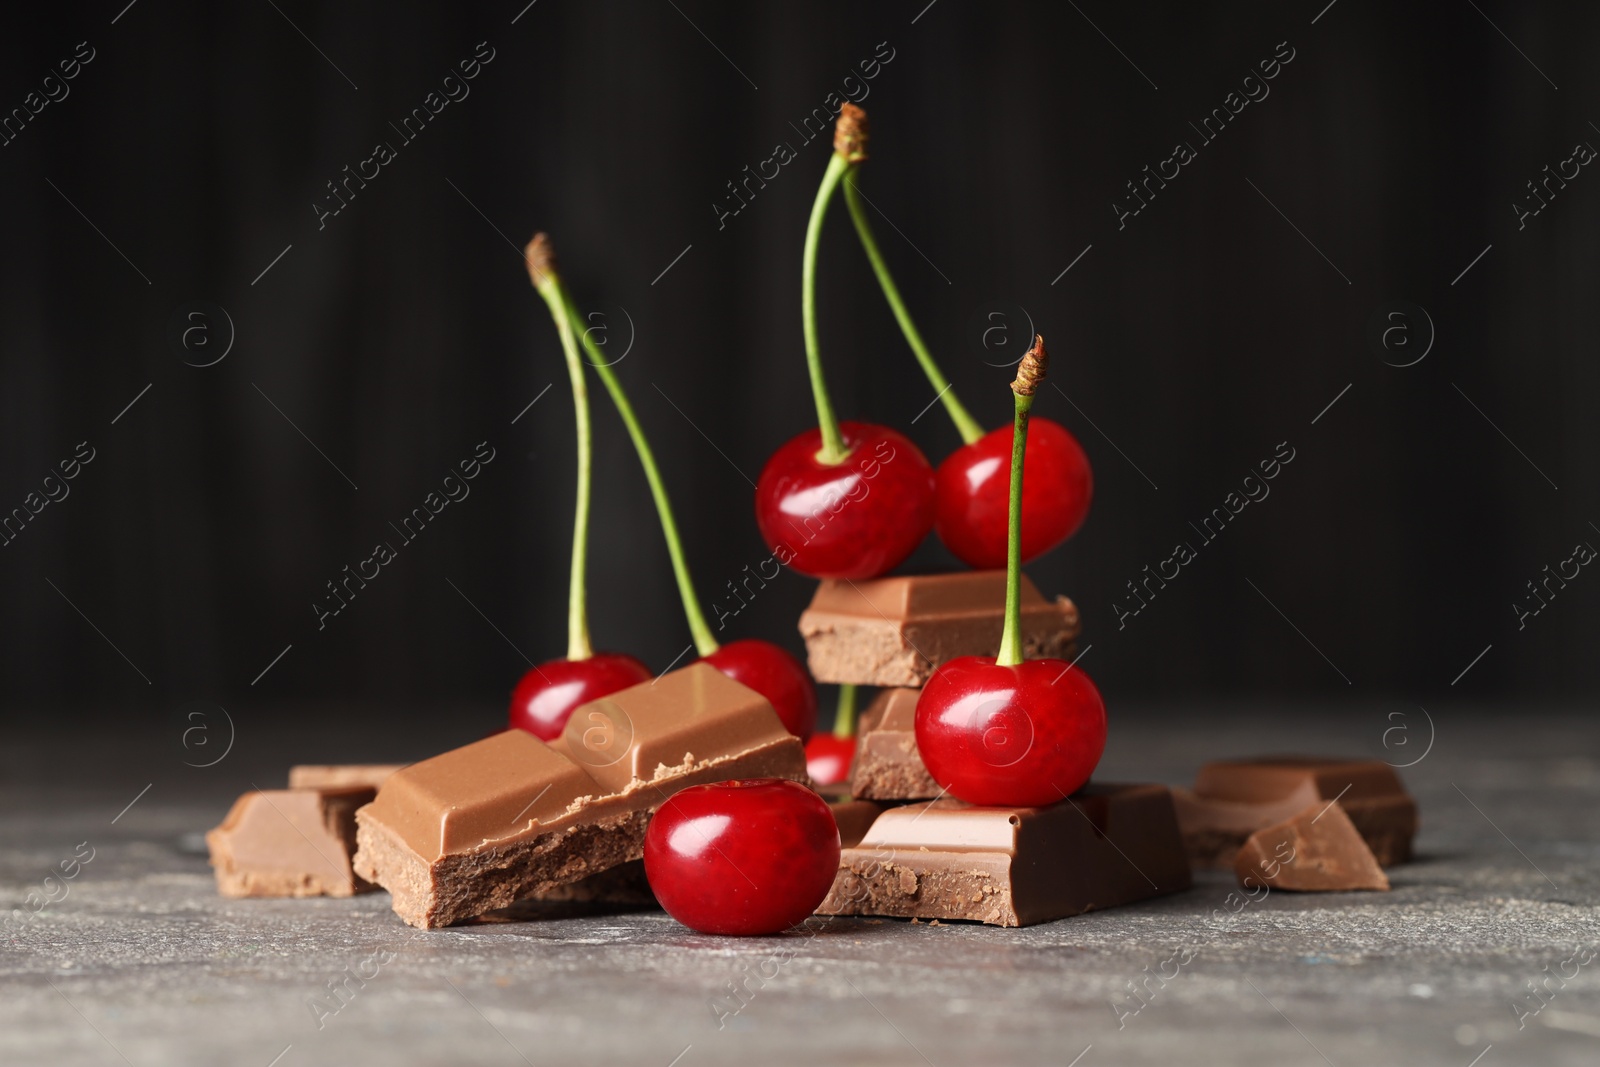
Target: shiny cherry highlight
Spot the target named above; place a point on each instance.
(856, 519)
(1026, 735)
(743, 857)
(973, 487)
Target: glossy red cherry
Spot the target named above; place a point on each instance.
(775, 674)
(856, 519)
(828, 758)
(974, 486)
(1021, 736)
(543, 701)
(752, 856)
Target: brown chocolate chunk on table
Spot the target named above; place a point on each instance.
(944, 859)
(289, 843)
(895, 631)
(509, 817)
(887, 764)
(1319, 849)
(1232, 799)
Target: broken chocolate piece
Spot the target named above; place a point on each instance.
(854, 818)
(289, 843)
(1104, 846)
(1318, 850)
(1234, 798)
(337, 775)
(896, 631)
(510, 817)
(887, 765)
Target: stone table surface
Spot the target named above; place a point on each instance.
(141, 961)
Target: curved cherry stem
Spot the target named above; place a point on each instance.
(578, 646)
(969, 427)
(833, 450)
(1029, 373)
(704, 642)
(844, 717)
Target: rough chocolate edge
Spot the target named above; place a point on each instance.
(466, 884)
(878, 777)
(338, 811)
(978, 890)
(848, 650)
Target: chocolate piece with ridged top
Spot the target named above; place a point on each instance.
(510, 817)
(944, 859)
(887, 764)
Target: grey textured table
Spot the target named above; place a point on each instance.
(143, 962)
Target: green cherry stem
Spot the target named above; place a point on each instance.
(542, 269)
(969, 427)
(844, 717)
(832, 450)
(1029, 374)
(704, 642)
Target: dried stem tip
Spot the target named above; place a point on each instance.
(541, 259)
(1031, 371)
(850, 134)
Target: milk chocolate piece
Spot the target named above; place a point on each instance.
(510, 817)
(1318, 850)
(944, 859)
(895, 631)
(888, 765)
(289, 843)
(319, 775)
(854, 818)
(1232, 799)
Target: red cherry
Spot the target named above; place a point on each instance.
(828, 758)
(855, 519)
(1020, 736)
(751, 856)
(543, 701)
(974, 489)
(775, 674)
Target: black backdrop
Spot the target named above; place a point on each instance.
(182, 164)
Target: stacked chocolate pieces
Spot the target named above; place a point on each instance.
(945, 859)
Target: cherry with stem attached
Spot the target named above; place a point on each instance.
(829, 755)
(846, 500)
(971, 490)
(547, 695)
(761, 665)
(1002, 730)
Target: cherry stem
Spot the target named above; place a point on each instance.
(832, 450)
(541, 265)
(969, 427)
(844, 717)
(704, 642)
(1029, 373)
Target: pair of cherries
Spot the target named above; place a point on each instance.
(863, 517)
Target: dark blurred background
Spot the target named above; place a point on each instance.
(373, 350)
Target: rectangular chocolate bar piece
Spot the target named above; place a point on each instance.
(888, 765)
(339, 775)
(1232, 799)
(510, 817)
(289, 843)
(944, 859)
(895, 631)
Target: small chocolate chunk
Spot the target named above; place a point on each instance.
(1317, 850)
(896, 631)
(289, 843)
(1234, 798)
(944, 859)
(888, 765)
